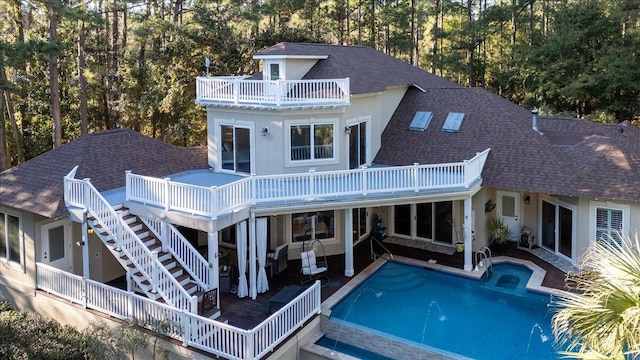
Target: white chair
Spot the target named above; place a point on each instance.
(310, 270)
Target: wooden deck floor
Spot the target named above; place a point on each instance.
(246, 313)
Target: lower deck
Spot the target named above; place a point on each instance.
(246, 313)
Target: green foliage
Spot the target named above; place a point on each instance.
(24, 335)
(577, 57)
(27, 336)
(498, 230)
(599, 319)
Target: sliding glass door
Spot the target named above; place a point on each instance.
(557, 227)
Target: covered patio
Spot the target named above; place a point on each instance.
(247, 313)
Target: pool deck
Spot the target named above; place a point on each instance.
(246, 313)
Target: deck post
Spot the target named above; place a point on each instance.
(214, 202)
(212, 250)
(253, 291)
(85, 247)
(167, 193)
(416, 177)
(348, 242)
(468, 235)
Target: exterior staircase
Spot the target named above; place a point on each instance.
(155, 273)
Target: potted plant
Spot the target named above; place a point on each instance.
(499, 233)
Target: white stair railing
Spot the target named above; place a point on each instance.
(128, 243)
(182, 250)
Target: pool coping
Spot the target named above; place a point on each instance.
(534, 284)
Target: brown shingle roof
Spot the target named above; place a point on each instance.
(587, 160)
(368, 69)
(37, 185)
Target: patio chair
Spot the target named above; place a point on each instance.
(278, 259)
(310, 270)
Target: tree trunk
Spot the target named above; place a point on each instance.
(54, 85)
(4, 164)
(434, 38)
(84, 123)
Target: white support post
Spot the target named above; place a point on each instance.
(127, 188)
(86, 192)
(253, 290)
(312, 185)
(84, 292)
(186, 328)
(154, 271)
(416, 177)
(165, 237)
(130, 305)
(167, 193)
(129, 279)
(364, 180)
(348, 243)
(468, 226)
(85, 247)
(214, 265)
(194, 304)
(214, 202)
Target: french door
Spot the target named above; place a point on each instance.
(557, 227)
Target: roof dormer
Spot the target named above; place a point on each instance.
(287, 67)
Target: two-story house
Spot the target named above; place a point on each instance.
(313, 147)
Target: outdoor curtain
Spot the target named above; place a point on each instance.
(241, 243)
(261, 244)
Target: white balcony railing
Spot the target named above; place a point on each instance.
(212, 336)
(214, 201)
(240, 91)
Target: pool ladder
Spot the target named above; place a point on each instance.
(483, 261)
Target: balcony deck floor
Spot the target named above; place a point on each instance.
(247, 313)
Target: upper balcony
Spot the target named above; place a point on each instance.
(239, 91)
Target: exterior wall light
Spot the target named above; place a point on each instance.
(347, 130)
(265, 131)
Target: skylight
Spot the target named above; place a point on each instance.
(453, 122)
(421, 120)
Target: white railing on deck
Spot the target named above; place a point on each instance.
(215, 337)
(214, 201)
(126, 240)
(182, 250)
(278, 93)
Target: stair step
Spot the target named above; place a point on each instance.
(191, 287)
(183, 279)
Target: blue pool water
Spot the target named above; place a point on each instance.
(481, 319)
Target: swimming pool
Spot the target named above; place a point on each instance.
(453, 315)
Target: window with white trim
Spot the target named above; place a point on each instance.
(311, 142)
(10, 236)
(316, 225)
(609, 224)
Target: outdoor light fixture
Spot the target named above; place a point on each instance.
(489, 206)
(207, 64)
(80, 243)
(347, 130)
(265, 131)
(527, 199)
(90, 231)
